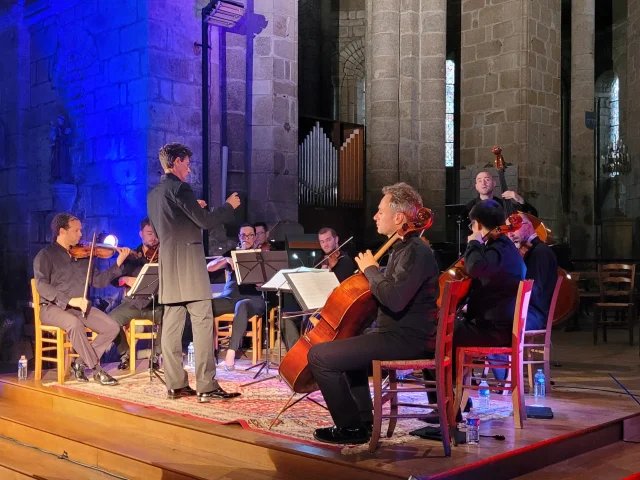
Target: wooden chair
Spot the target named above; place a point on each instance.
(532, 346)
(467, 356)
(223, 328)
(442, 385)
(617, 283)
(272, 328)
(51, 339)
(134, 336)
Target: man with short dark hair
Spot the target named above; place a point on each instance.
(485, 185)
(244, 301)
(178, 219)
(60, 280)
(139, 307)
(262, 236)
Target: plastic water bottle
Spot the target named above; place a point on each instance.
(484, 395)
(22, 368)
(191, 357)
(473, 427)
(539, 384)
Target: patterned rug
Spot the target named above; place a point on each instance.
(258, 406)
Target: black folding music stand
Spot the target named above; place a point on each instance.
(146, 286)
(257, 267)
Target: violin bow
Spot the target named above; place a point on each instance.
(89, 272)
(337, 249)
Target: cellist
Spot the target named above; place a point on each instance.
(406, 292)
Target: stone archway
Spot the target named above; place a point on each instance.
(352, 82)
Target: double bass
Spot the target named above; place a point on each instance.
(348, 311)
(568, 298)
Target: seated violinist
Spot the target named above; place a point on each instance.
(244, 301)
(406, 293)
(485, 185)
(542, 268)
(262, 237)
(336, 261)
(496, 268)
(60, 280)
(142, 307)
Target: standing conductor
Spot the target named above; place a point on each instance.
(178, 219)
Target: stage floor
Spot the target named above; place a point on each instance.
(579, 418)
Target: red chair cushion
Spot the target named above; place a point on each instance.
(411, 364)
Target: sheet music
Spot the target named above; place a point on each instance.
(312, 289)
(279, 282)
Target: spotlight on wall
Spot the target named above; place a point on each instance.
(224, 13)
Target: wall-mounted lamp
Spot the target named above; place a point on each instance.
(224, 13)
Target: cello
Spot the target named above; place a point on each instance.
(457, 272)
(348, 311)
(568, 298)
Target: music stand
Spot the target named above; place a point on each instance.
(257, 267)
(459, 212)
(146, 286)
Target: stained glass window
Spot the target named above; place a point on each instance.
(450, 80)
(614, 113)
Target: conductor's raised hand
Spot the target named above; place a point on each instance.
(234, 200)
(123, 253)
(366, 260)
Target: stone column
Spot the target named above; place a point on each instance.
(632, 116)
(582, 156)
(273, 122)
(406, 54)
(510, 94)
(382, 64)
(431, 151)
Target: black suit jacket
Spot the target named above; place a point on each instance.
(496, 269)
(524, 207)
(178, 221)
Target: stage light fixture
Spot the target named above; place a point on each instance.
(111, 240)
(224, 13)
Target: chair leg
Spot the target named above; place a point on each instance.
(132, 347)
(254, 337)
(631, 321)
(442, 413)
(451, 414)
(38, 369)
(377, 406)
(604, 326)
(596, 321)
(509, 380)
(393, 400)
(61, 357)
(272, 333)
(547, 368)
(459, 381)
(517, 396)
(530, 377)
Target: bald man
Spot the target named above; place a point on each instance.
(485, 184)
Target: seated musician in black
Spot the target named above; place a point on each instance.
(340, 263)
(406, 293)
(542, 268)
(496, 268)
(60, 281)
(244, 301)
(140, 307)
(485, 185)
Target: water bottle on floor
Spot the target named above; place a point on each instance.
(484, 395)
(22, 368)
(473, 427)
(191, 356)
(539, 384)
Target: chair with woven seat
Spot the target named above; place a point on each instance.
(532, 345)
(617, 283)
(468, 357)
(134, 336)
(55, 340)
(223, 329)
(442, 385)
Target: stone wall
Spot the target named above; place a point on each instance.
(632, 116)
(352, 27)
(510, 90)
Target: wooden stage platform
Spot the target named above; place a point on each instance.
(137, 442)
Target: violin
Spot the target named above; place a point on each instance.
(457, 271)
(101, 250)
(331, 259)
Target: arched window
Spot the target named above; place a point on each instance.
(450, 80)
(614, 112)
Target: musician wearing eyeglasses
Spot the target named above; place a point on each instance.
(244, 301)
